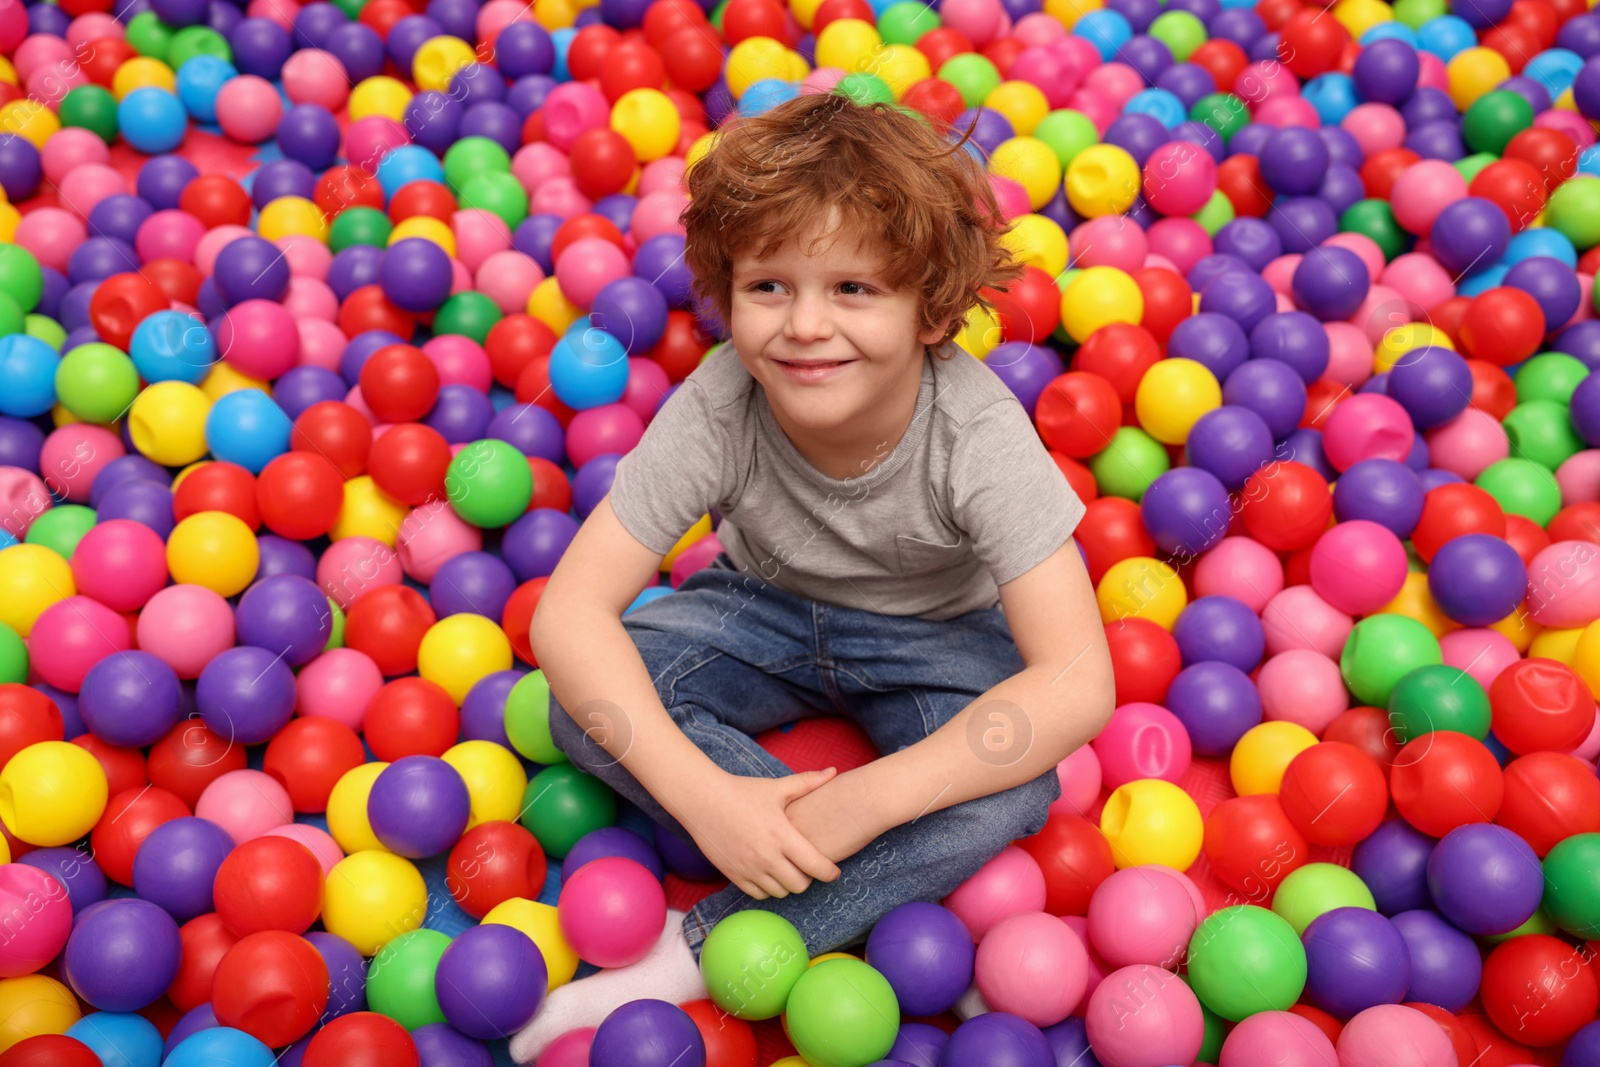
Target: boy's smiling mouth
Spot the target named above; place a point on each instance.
(812, 372)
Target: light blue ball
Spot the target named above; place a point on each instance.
(1445, 36)
(119, 1040)
(221, 1046)
(1107, 30)
(588, 367)
(1545, 242)
(199, 81)
(1482, 282)
(247, 427)
(1555, 69)
(407, 164)
(6, 540)
(27, 376)
(170, 346)
(1589, 161)
(1159, 104)
(1397, 31)
(765, 94)
(562, 40)
(152, 120)
(1333, 95)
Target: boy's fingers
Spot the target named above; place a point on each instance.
(810, 859)
(798, 785)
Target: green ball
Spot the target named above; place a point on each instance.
(149, 36)
(13, 656)
(842, 1013)
(1537, 923)
(470, 314)
(715, 18)
(562, 804)
(47, 330)
(1469, 166)
(92, 108)
(528, 719)
(1217, 213)
(750, 962)
(498, 193)
(400, 980)
(1574, 211)
(973, 75)
(489, 483)
(1181, 31)
(1493, 119)
(12, 318)
(192, 41)
(21, 279)
(351, 8)
(1244, 960)
(1381, 650)
(1541, 431)
(1316, 889)
(1067, 133)
(1415, 12)
(61, 528)
(336, 633)
(906, 22)
(1375, 219)
(359, 226)
(1134, 460)
(864, 89)
(1572, 885)
(1223, 112)
(1437, 697)
(1522, 487)
(96, 382)
(472, 157)
(1216, 1029)
(1550, 376)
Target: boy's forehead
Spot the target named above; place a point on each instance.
(859, 251)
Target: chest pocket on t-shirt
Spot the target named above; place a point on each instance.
(927, 557)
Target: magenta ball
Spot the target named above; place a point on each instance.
(1393, 1035)
(37, 915)
(120, 563)
(1141, 915)
(612, 911)
(71, 636)
(1281, 1038)
(1358, 566)
(1144, 1016)
(1033, 965)
(1142, 741)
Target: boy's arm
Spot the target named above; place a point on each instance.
(1013, 733)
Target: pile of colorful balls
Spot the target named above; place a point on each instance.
(323, 326)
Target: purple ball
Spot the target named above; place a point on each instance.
(458, 17)
(1581, 340)
(1188, 82)
(926, 953)
(442, 1045)
(21, 443)
(493, 120)
(1585, 409)
(287, 616)
(1445, 965)
(1550, 282)
(246, 694)
(77, 872)
(1303, 222)
(314, 22)
(1472, 232)
(1485, 879)
(302, 386)
(260, 47)
(415, 274)
(1139, 13)
(408, 35)
(1341, 188)
(251, 268)
(1272, 390)
(472, 583)
(1382, 491)
(1070, 1042)
(434, 120)
(1433, 384)
(1186, 511)
(119, 216)
(419, 806)
(528, 92)
(360, 349)
(352, 268)
(683, 857)
(490, 981)
(1230, 442)
(176, 865)
(1477, 579)
(1330, 283)
(1217, 703)
(1293, 161)
(283, 177)
(1252, 240)
(1245, 298)
(1220, 628)
(1212, 340)
(1393, 862)
(1355, 959)
(1137, 134)
(474, 83)
(1146, 55)
(128, 468)
(1343, 148)
(524, 48)
(280, 556)
(531, 430)
(309, 134)
(918, 1044)
(593, 482)
(1481, 14)
(1428, 105)
(347, 974)
(483, 712)
(990, 129)
(534, 544)
(612, 841)
(144, 502)
(359, 48)
(1294, 338)
(998, 1039)
(1583, 1048)
(1432, 478)
(67, 703)
(535, 235)
(1241, 25)
(122, 954)
(660, 262)
(461, 414)
(1437, 140)
(1198, 133)
(1386, 72)
(633, 311)
(130, 699)
(1251, 140)
(1026, 369)
(647, 1033)
(99, 258)
(20, 169)
(619, 208)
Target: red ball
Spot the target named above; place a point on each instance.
(205, 941)
(730, 1042)
(1078, 413)
(100, 58)
(409, 463)
(1527, 536)
(300, 495)
(411, 717)
(1492, 389)
(1275, 13)
(941, 104)
(361, 1039)
(399, 383)
(388, 623)
(27, 717)
(941, 44)
(586, 54)
(269, 883)
(1539, 19)
(338, 433)
(663, 19)
(1334, 793)
(121, 303)
(309, 756)
(216, 200)
(582, 226)
(1075, 858)
(679, 350)
(1540, 705)
(190, 758)
(603, 162)
(368, 309)
(1550, 152)
(1452, 510)
(692, 57)
(1031, 309)
(1575, 522)
(551, 489)
(833, 10)
(179, 280)
(1515, 43)
(1503, 326)
(1549, 797)
(634, 65)
(272, 985)
(1239, 178)
(218, 486)
(743, 19)
(382, 15)
(1081, 478)
(346, 186)
(493, 862)
(533, 387)
(1112, 530)
(1286, 505)
(1322, 396)
(1312, 44)
(1443, 780)
(125, 768)
(1382, 169)
(517, 617)
(1538, 989)
(1252, 845)
(129, 818)
(1120, 354)
(1490, 1047)
(1222, 59)
(513, 342)
(1144, 660)
(50, 1050)
(1515, 187)
(1168, 300)
(1369, 730)
(422, 199)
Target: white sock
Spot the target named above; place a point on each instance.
(970, 1004)
(669, 972)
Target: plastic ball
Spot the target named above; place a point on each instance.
(1152, 821)
(1140, 915)
(54, 792)
(372, 897)
(1444, 780)
(418, 806)
(122, 955)
(1169, 1028)
(490, 981)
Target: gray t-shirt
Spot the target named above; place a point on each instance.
(966, 501)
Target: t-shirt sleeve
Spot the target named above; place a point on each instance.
(675, 474)
(1007, 494)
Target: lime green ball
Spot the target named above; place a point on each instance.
(528, 720)
(1316, 889)
(489, 483)
(12, 318)
(149, 36)
(499, 193)
(400, 980)
(973, 75)
(194, 41)
(47, 330)
(906, 22)
(1574, 211)
(61, 528)
(1067, 133)
(1469, 166)
(1223, 112)
(715, 18)
(93, 108)
(746, 944)
(96, 382)
(1493, 119)
(359, 226)
(1437, 697)
(1375, 219)
(864, 89)
(562, 804)
(1217, 213)
(1381, 650)
(1181, 31)
(842, 1013)
(470, 314)
(1549, 376)
(1537, 923)
(13, 656)
(1572, 885)
(1134, 460)
(336, 633)
(1541, 431)
(472, 157)
(1244, 960)
(1415, 12)
(1522, 487)
(21, 279)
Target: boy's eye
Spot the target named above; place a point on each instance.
(849, 288)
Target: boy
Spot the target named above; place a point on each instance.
(881, 490)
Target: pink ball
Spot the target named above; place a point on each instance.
(460, 278)
(612, 910)
(13, 24)
(85, 186)
(1393, 1035)
(170, 234)
(587, 266)
(1032, 965)
(307, 298)
(1419, 279)
(24, 498)
(479, 235)
(1468, 443)
(248, 109)
(1283, 111)
(1038, 28)
(318, 842)
(496, 15)
(1195, 896)
(1422, 191)
(1432, 74)
(258, 338)
(1363, 246)
(1097, 106)
(1098, 968)
(1358, 566)
(647, 383)
(1589, 750)
(1383, 310)
(321, 344)
(571, 1049)
(307, 256)
(1110, 241)
(432, 535)
(73, 454)
(1010, 195)
(1139, 915)
(72, 635)
(280, 11)
(368, 140)
(1182, 241)
(211, 245)
(1041, 67)
(536, 163)
(460, 361)
(312, 76)
(1242, 568)
(355, 400)
(120, 563)
(186, 625)
(92, 27)
(339, 684)
(39, 50)
(51, 84)
(1263, 80)
(509, 278)
(1564, 585)
(1007, 885)
(352, 565)
(1117, 81)
(1302, 687)
(37, 916)
(659, 175)
(1298, 618)
(1579, 477)
(1570, 123)
(1349, 354)
(1080, 778)
(1481, 653)
(246, 804)
(977, 20)
(1281, 1038)
(52, 235)
(1375, 127)
(600, 430)
(69, 148)
(1367, 426)
(1143, 1016)
(572, 109)
(1142, 741)
(1280, 273)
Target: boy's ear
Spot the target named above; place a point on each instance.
(935, 334)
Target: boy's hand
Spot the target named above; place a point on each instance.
(741, 826)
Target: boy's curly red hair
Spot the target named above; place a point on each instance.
(894, 181)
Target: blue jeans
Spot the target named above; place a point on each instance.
(733, 656)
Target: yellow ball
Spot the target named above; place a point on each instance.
(495, 780)
(347, 809)
(379, 95)
(213, 549)
(981, 334)
(429, 229)
(1408, 338)
(1030, 163)
(849, 44)
(1473, 72)
(1102, 180)
(459, 650)
(52, 793)
(1035, 240)
(31, 579)
(826, 956)
(1098, 297)
(1559, 645)
(901, 66)
(649, 121)
(751, 60)
(550, 305)
(438, 60)
(1152, 821)
(543, 927)
(32, 1005)
(223, 379)
(1262, 755)
(1022, 103)
(697, 150)
(1141, 587)
(1415, 602)
(8, 72)
(1359, 16)
(371, 898)
(10, 217)
(555, 14)
(142, 72)
(292, 216)
(700, 529)
(1519, 629)
(1068, 12)
(30, 120)
(168, 422)
(1172, 396)
(368, 512)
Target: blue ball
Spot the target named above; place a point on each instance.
(1540, 242)
(1159, 104)
(1332, 94)
(170, 346)
(27, 376)
(1445, 36)
(588, 367)
(247, 427)
(1106, 30)
(199, 81)
(152, 120)
(407, 164)
(765, 94)
(120, 1040)
(221, 1046)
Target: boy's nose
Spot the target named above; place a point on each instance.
(808, 317)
